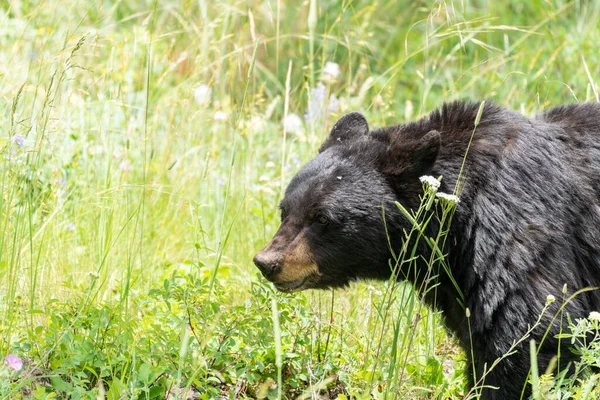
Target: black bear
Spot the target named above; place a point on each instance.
(528, 222)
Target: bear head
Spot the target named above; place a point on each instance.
(339, 220)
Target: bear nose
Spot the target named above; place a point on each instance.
(266, 264)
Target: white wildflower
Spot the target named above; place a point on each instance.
(550, 299)
(594, 316)
(331, 71)
(270, 164)
(450, 198)
(220, 116)
(292, 123)
(202, 94)
(117, 152)
(430, 181)
(125, 165)
(97, 149)
(256, 124)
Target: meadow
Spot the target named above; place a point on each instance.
(146, 145)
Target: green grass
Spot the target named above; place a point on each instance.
(130, 215)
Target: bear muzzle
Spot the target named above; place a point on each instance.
(289, 264)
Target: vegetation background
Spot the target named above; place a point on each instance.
(144, 148)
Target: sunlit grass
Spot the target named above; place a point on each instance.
(144, 150)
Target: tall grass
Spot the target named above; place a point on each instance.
(143, 156)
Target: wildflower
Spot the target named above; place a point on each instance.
(257, 123)
(220, 116)
(594, 316)
(292, 123)
(202, 94)
(97, 149)
(367, 309)
(71, 227)
(296, 160)
(270, 164)
(334, 104)
(331, 71)
(117, 153)
(316, 106)
(10, 156)
(430, 181)
(125, 165)
(550, 299)
(14, 362)
(19, 140)
(450, 198)
(220, 181)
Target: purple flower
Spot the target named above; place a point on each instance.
(14, 362)
(334, 104)
(316, 105)
(19, 140)
(71, 227)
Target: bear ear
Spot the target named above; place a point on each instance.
(412, 157)
(349, 127)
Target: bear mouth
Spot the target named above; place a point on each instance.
(290, 287)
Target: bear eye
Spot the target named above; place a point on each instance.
(322, 220)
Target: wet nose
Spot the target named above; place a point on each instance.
(267, 265)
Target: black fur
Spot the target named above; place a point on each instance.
(528, 221)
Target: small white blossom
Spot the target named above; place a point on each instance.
(331, 71)
(202, 94)
(594, 316)
(117, 153)
(270, 164)
(97, 149)
(430, 181)
(257, 123)
(292, 123)
(125, 165)
(220, 116)
(550, 299)
(450, 198)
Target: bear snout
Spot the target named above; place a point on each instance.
(267, 263)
